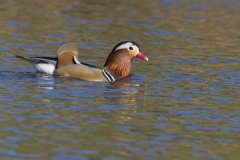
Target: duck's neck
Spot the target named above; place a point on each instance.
(118, 64)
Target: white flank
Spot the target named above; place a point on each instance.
(45, 68)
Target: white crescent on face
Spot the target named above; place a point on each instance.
(129, 46)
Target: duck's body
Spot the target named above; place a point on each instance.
(117, 65)
(85, 72)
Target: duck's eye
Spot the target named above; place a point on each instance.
(130, 48)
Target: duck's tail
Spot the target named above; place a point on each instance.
(42, 64)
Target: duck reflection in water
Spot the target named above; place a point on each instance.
(125, 91)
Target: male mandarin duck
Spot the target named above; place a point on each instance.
(66, 63)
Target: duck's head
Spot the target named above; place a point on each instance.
(119, 60)
(130, 47)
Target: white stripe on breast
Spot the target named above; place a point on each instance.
(108, 75)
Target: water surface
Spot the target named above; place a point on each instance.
(182, 104)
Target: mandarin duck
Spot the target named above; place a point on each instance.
(116, 67)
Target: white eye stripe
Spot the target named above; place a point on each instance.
(125, 46)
